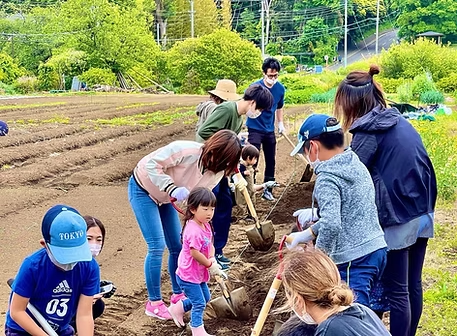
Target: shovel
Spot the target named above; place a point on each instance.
(271, 293)
(234, 305)
(308, 174)
(37, 315)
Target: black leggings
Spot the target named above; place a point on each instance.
(403, 285)
(266, 141)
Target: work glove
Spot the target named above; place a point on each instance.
(180, 194)
(300, 238)
(270, 184)
(306, 215)
(110, 293)
(232, 187)
(239, 181)
(281, 128)
(216, 269)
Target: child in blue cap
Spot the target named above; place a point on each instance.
(59, 280)
(346, 224)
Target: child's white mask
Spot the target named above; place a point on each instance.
(64, 267)
(95, 249)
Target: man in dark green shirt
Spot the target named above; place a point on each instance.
(229, 115)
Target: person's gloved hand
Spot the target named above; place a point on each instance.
(239, 181)
(180, 193)
(306, 215)
(232, 187)
(216, 269)
(281, 128)
(111, 292)
(300, 238)
(270, 184)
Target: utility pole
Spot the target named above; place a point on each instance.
(345, 33)
(192, 18)
(377, 28)
(262, 18)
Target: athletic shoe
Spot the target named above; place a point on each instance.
(222, 259)
(175, 298)
(267, 195)
(159, 311)
(223, 266)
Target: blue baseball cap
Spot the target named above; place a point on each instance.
(312, 127)
(3, 128)
(64, 231)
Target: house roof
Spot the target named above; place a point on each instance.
(429, 34)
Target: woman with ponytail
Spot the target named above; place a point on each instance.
(317, 296)
(405, 185)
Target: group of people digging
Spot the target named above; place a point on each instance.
(367, 229)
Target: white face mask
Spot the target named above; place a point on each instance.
(270, 81)
(315, 162)
(64, 267)
(253, 114)
(95, 249)
(305, 318)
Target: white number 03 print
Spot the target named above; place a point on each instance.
(58, 307)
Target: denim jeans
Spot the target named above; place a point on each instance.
(403, 285)
(11, 332)
(222, 214)
(361, 274)
(159, 225)
(197, 297)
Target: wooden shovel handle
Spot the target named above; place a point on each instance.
(266, 307)
(251, 207)
(222, 286)
(293, 146)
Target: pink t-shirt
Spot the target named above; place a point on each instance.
(200, 239)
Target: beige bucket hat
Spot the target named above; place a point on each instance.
(226, 90)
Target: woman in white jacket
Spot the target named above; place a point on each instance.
(171, 172)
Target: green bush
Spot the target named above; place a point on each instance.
(221, 54)
(363, 65)
(320, 82)
(290, 68)
(422, 83)
(48, 78)
(98, 76)
(7, 89)
(407, 60)
(405, 92)
(302, 96)
(286, 61)
(9, 70)
(26, 84)
(448, 84)
(431, 97)
(326, 97)
(390, 85)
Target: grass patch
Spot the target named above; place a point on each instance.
(56, 119)
(26, 106)
(136, 105)
(156, 118)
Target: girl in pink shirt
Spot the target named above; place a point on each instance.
(196, 260)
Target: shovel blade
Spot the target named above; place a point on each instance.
(237, 307)
(222, 308)
(261, 239)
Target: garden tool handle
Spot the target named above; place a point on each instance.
(40, 319)
(222, 286)
(251, 207)
(292, 144)
(266, 307)
(177, 208)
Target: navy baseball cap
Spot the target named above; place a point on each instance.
(3, 128)
(64, 231)
(312, 127)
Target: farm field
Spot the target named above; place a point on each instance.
(80, 151)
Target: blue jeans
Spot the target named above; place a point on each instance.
(222, 214)
(159, 225)
(361, 274)
(197, 297)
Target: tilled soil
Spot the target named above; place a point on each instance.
(76, 163)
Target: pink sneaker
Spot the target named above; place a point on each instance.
(159, 311)
(177, 297)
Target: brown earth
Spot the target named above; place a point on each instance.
(86, 164)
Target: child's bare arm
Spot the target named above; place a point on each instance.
(212, 251)
(200, 257)
(84, 318)
(20, 316)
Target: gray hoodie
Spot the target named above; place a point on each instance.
(348, 227)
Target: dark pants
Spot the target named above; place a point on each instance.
(266, 141)
(97, 310)
(222, 214)
(11, 332)
(403, 286)
(361, 274)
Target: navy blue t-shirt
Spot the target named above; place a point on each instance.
(266, 121)
(53, 292)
